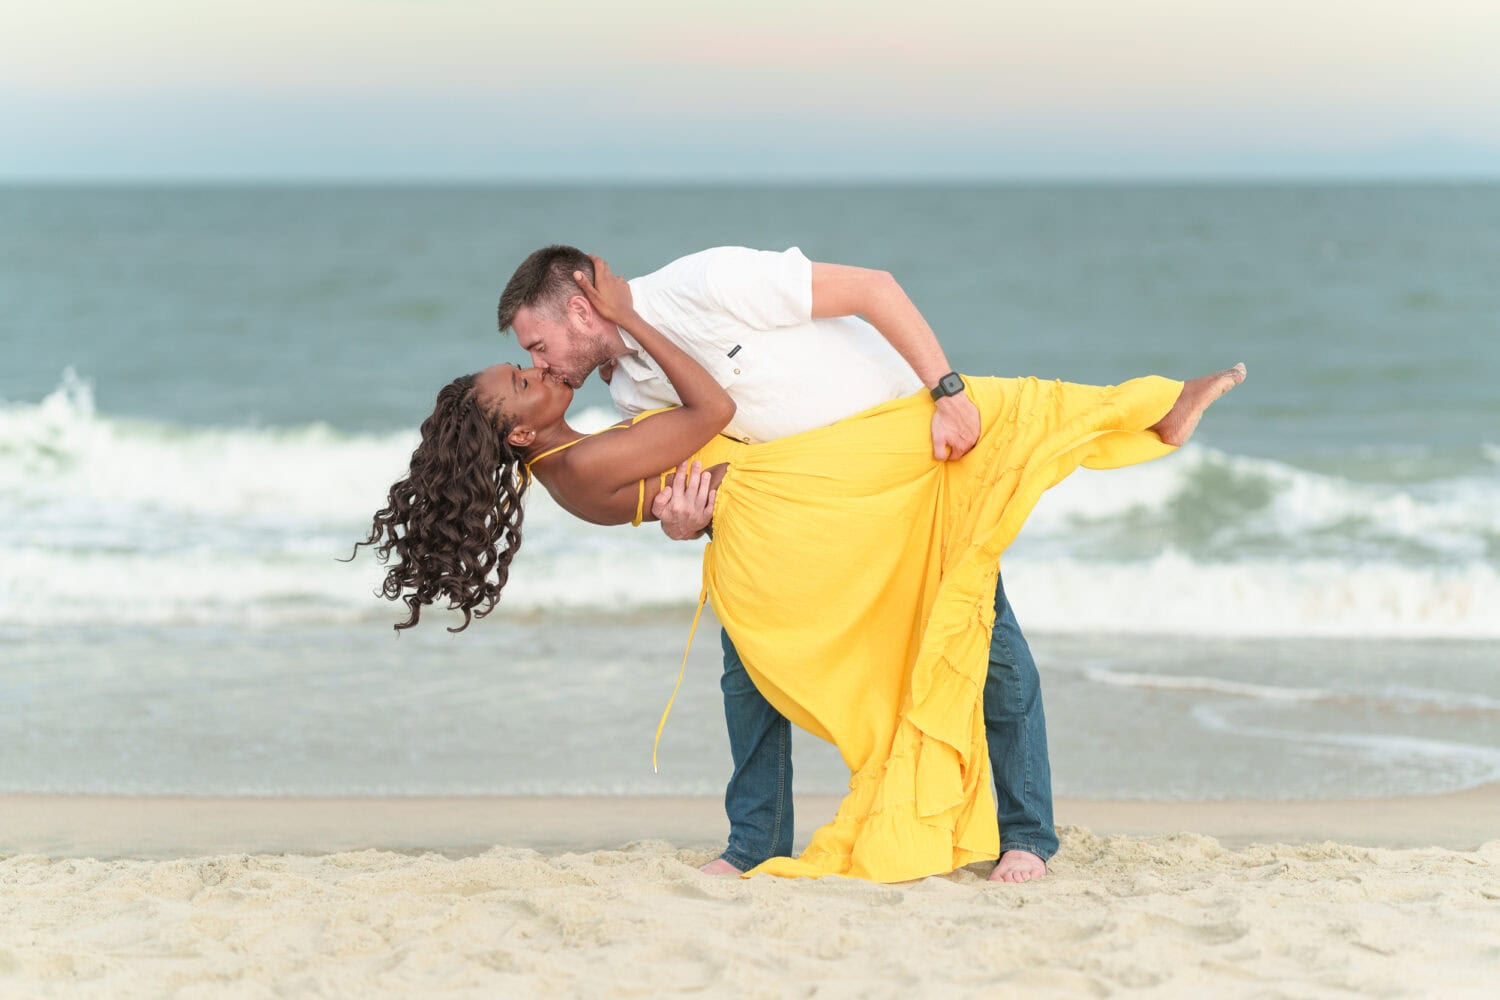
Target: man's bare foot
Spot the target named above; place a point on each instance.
(718, 866)
(1197, 393)
(1018, 866)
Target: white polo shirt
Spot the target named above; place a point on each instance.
(746, 316)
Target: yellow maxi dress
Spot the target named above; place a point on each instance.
(856, 577)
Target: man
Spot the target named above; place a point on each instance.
(785, 337)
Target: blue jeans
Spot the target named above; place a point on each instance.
(759, 796)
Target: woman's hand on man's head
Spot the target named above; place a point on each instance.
(608, 293)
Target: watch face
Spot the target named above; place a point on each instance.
(951, 384)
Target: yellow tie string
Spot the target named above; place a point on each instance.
(702, 599)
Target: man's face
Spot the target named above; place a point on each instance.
(561, 344)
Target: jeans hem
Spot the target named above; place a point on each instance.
(1028, 848)
(738, 860)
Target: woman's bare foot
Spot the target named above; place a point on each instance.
(718, 866)
(1197, 393)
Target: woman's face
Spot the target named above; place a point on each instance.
(528, 397)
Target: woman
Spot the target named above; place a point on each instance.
(854, 574)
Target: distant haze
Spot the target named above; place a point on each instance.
(470, 90)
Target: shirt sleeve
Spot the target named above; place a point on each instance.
(764, 289)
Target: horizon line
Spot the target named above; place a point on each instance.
(1017, 180)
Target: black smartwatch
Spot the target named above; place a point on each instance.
(949, 385)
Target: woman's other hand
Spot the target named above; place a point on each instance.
(608, 293)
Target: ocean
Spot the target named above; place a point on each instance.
(205, 391)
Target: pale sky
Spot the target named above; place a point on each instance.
(471, 90)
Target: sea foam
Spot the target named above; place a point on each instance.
(132, 521)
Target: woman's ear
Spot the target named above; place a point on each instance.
(521, 436)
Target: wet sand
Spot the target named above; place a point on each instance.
(159, 827)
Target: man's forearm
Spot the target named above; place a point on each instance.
(843, 290)
(896, 316)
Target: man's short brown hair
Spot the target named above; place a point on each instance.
(544, 279)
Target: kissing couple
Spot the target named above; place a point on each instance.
(858, 495)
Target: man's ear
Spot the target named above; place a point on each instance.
(578, 307)
(521, 437)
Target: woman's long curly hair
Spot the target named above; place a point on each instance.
(454, 521)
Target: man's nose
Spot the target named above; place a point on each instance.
(538, 362)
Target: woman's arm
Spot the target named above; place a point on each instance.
(597, 479)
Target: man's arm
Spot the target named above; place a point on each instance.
(842, 290)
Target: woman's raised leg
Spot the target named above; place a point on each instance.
(1197, 393)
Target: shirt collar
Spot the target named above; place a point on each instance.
(637, 364)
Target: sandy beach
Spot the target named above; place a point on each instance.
(116, 896)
